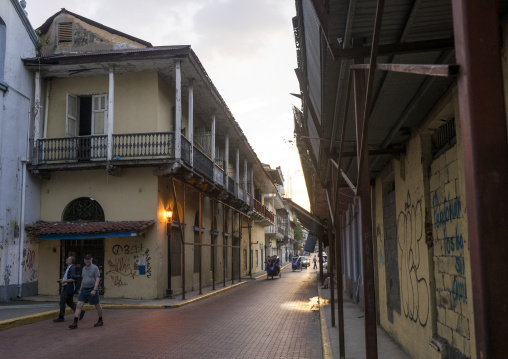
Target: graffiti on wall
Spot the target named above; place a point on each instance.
(445, 212)
(28, 264)
(414, 287)
(122, 267)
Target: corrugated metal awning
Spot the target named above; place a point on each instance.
(84, 230)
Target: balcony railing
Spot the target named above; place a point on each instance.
(263, 210)
(86, 148)
(72, 149)
(186, 150)
(202, 163)
(218, 175)
(135, 145)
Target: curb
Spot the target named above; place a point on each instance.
(325, 338)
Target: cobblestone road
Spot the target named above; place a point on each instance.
(276, 318)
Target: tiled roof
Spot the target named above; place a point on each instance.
(42, 228)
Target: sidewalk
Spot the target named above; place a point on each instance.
(354, 332)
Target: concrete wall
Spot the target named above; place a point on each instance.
(19, 259)
(433, 262)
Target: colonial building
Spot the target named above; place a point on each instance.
(19, 192)
(402, 135)
(142, 165)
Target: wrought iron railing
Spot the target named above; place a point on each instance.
(218, 175)
(258, 207)
(83, 148)
(186, 150)
(135, 145)
(203, 164)
(231, 185)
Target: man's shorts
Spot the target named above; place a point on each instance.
(85, 296)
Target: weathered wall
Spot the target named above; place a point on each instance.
(132, 196)
(451, 251)
(85, 37)
(18, 255)
(403, 255)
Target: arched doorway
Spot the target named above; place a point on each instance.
(83, 209)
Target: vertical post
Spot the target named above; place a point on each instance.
(251, 204)
(232, 241)
(46, 107)
(244, 179)
(182, 225)
(37, 116)
(224, 249)
(178, 111)
(365, 220)
(237, 172)
(111, 110)
(240, 222)
(483, 126)
(226, 165)
(338, 262)
(212, 154)
(200, 241)
(330, 269)
(191, 120)
(213, 244)
(250, 247)
(169, 291)
(320, 246)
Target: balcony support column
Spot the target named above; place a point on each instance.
(226, 164)
(251, 187)
(244, 179)
(213, 140)
(191, 120)
(237, 170)
(178, 111)
(111, 110)
(37, 116)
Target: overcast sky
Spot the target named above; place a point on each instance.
(246, 46)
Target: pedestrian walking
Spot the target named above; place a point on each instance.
(68, 289)
(89, 291)
(315, 262)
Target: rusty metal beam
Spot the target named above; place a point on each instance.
(313, 114)
(338, 265)
(365, 220)
(386, 151)
(363, 139)
(200, 221)
(485, 148)
(399, 48)
(420, 69)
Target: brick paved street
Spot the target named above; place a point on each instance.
(265, 319)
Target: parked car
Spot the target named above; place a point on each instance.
(305, 262)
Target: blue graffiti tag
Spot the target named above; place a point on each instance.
(451, 209)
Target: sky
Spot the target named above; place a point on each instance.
(247, 47)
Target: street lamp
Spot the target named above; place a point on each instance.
(169, 224)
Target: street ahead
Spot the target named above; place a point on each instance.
(276, 318)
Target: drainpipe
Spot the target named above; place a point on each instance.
(22, 228)
(46, 108)
(111, 110)
(23, 177)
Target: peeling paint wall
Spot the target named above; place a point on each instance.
(84, 37)
(18, 255)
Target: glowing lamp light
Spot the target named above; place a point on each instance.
(169, 215)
